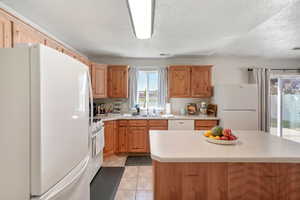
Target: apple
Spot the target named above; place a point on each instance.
(224, 138)
(232, 137)
(227, 132)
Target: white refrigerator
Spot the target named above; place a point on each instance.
(237, 106)
(44, 125)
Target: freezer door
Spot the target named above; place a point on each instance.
(240, 120)
(59, 117)
(238, 97)
(75, 186)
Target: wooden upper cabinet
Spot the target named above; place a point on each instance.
(201, 81)
(5, 32)
(53, 44)
(118, 81)
(137, 139)
(84, 61)
(70, 53)
(179, 81)
(23, 33)
(189, 81)
(99, 80)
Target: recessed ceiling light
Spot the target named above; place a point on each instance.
(142, 15)
(296, 48)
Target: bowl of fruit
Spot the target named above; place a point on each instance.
(218, 135)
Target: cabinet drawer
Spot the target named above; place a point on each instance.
(122, 122)
(158, 123)
(203, 128)
(137, 123)
(162, 128)
(206, 123)
(107, 123)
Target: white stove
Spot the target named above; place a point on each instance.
(96, 147)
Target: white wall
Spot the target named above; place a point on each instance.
(226, 70)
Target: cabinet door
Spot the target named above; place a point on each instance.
(158, 128)
(5, 32)
(25, 34)
(99, 80)
(253, 181)
(137, 139)
(85, 61)
(122, 144)
(70, 53)
(53, 44)
(194, 182)
(179, 81)
(201, 81)
(118, 81)
(108, 137)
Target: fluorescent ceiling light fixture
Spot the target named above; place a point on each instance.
(142, 15)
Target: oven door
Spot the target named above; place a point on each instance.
(96, 153)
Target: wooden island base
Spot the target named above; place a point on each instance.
(226, 181)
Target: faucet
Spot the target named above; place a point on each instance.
(137, 107)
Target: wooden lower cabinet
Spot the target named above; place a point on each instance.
(109, 137)
(205, 124)
(137, 139)
(226, 181)
(160, 128)
(122, 141)
(132, 136)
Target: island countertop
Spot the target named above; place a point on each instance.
(253, 146)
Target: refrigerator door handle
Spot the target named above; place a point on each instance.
(91, 98)
(70, 179)
(92, 109)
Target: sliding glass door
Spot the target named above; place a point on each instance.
(285, 106)
(274, 129)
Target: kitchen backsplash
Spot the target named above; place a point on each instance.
(176, 103)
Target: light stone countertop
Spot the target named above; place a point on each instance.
(175, 117)
(191, 146)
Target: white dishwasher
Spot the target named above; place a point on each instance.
(176, 124)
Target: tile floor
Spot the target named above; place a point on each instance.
(136, 182)
(114, 161)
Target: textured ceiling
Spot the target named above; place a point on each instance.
(267, 28)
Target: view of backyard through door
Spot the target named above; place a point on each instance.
(285, 106)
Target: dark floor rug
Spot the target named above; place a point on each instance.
(138, 161)
(105, 184)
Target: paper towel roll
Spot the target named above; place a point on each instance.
(168, 108)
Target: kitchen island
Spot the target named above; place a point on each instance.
(259, 167)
